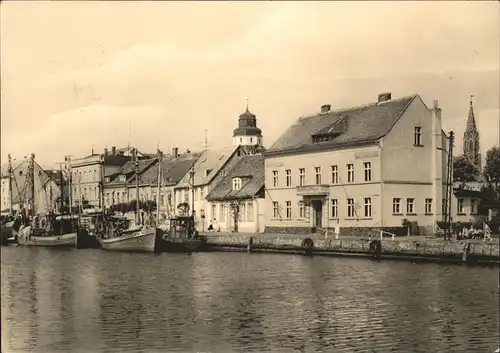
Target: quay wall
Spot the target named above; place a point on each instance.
(400, 248)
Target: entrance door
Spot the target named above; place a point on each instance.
(318, 213)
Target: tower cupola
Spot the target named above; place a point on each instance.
(247, 133)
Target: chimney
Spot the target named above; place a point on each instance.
(436, 104)
(175, 152)
(382, 97)
(105, 151)
(325, 108)
(113, 150)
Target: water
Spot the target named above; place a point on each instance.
(95, 301)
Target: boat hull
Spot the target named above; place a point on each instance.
(65, 240)
(6, 233)
(143, 240)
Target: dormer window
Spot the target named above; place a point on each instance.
(107, 179)
(236, 184)
(331, 132)
(123, 178)
(207, 172)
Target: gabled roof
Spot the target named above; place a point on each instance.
(251, 171)
(128, 169)
(363, 124)
(173, 169)
(209, 165)
(19, 176)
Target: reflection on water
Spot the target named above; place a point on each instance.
(94, 301)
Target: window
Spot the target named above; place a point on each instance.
(275, 178)
(288, 174)
(289, 209)
(350, 173)
(250, 211)
(473, 206)
(417, 139)
(242, 212)
(368, 207)
(251, 139)
(460, 206)
(241, 140)
(302, 176)
(162, 200)
(428, 206)
(335, 174)
(443, 207)
(368, 171)
(302, 210)
(186, 195)
(276, 212)
(123, 178)
(396, 205)
(334, 208)
(410, 205)
(214, 210)
(202, 193)
(317, 172)
(350, 208)
(20, 172)
(236, 184)
(95, 174)
(222, 216)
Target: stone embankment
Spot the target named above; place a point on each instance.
(401, 248)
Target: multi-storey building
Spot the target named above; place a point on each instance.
(237, 201)
(374, 165)
(88, 172)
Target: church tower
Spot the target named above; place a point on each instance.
(471, 139)
(247, 133)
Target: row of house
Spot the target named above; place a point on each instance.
(377, 165)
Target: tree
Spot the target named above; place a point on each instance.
(463, 169)
(235, 208)
(183, 208)
(492, 169)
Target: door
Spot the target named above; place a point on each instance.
(318, 213)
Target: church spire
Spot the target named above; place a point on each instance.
(471, 120)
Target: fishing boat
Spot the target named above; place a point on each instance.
(181, 236)
(45, 229)
(59, 231)
(122, 234)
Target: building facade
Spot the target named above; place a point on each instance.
(373, 166)
(237, 202)
(88, 172)
(210, 168)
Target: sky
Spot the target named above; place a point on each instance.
(80, 74)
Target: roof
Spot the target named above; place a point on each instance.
(208, 166)
(471, 120)
(250, 169)
(128, 169)
(362, 124)
(173, 169)
(20, 171)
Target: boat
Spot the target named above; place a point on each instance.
(126, 237)
(44, 229)
(121, 234)
(181, 236)
(51, 231)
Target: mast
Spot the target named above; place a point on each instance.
(51, 209)
(61, 175)
(158, 186)
(10, 186)
(137, 216)
(192, 189)
(32, 182)
(67, 159)
(101, 184)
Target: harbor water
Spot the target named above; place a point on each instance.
(56, 300)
